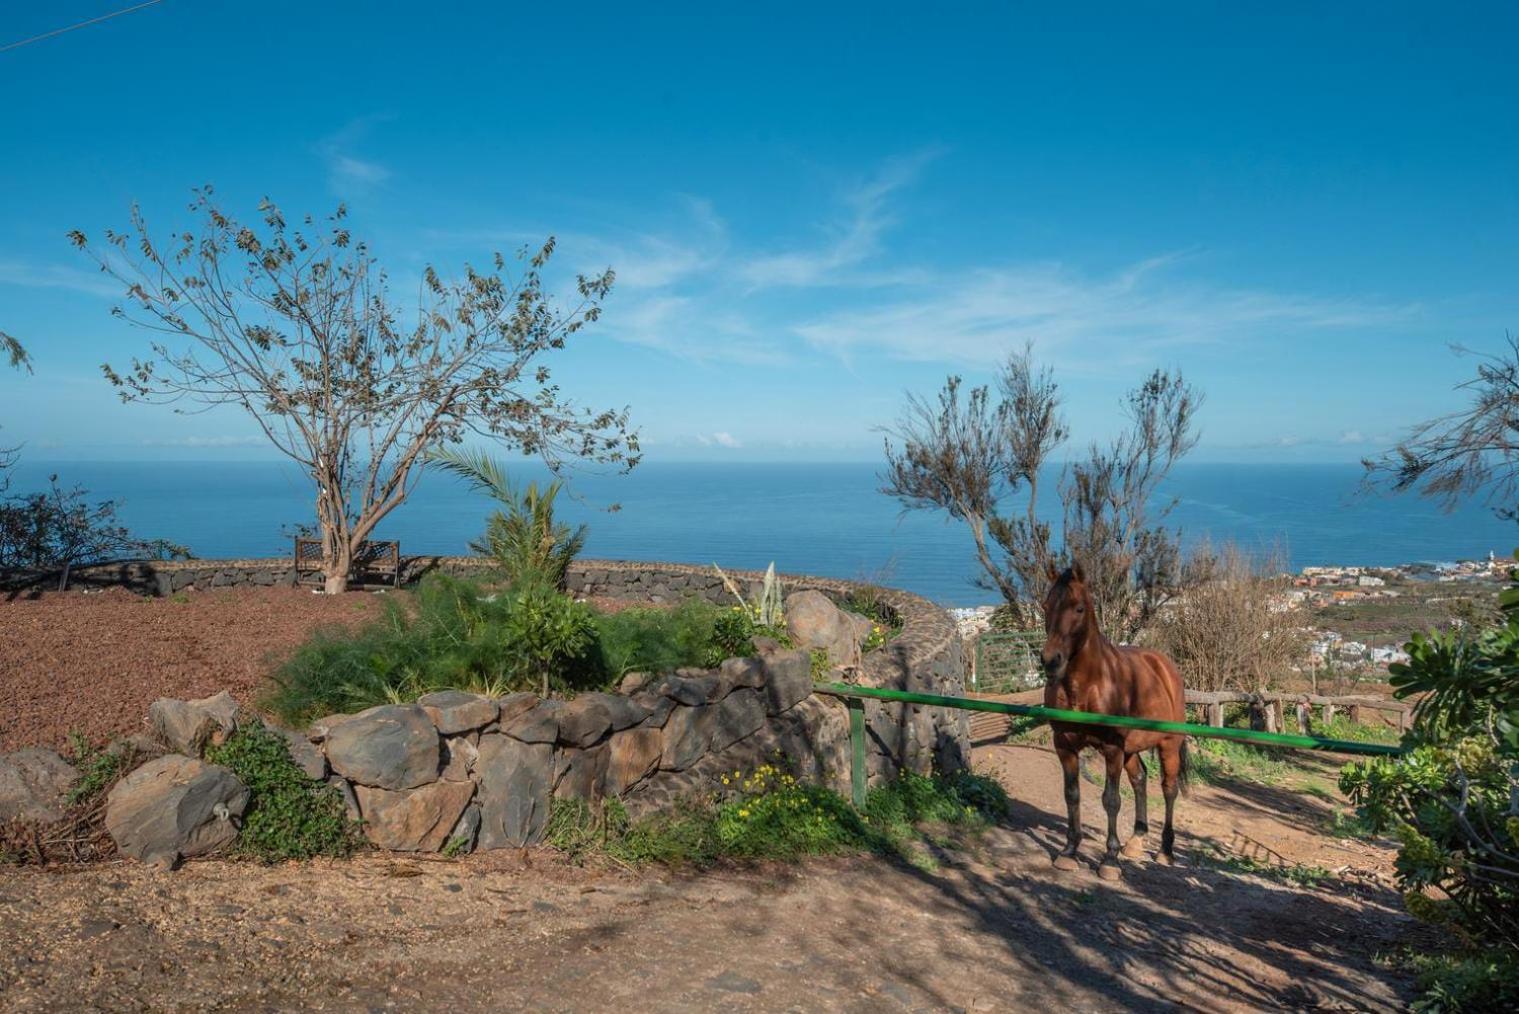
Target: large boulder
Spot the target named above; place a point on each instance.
(417, 820)
(456, 711)
(813, 621)
(34, 785)
(175, 807)
(188, 727)
(306, 754)
(393, 746)
(515, 779)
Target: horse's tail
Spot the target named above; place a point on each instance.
(1185, 769)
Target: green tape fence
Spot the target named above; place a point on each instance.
(855, 698)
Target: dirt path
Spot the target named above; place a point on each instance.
(993, 928)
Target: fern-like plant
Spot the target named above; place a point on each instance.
(523, 538)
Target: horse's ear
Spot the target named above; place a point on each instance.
(1050, 571)
(1076, 569)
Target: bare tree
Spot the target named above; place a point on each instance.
(1114, 512)
(1231, 630)
(967, 455)
(1472, 451)
(296, 326)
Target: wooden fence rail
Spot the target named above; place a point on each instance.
(1268, 709)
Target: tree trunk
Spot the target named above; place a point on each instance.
(336, 568)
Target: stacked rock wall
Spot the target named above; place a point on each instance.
(926, 656)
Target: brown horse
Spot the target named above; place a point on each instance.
(1087, 672)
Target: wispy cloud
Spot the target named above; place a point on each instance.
(852, 240)
(207, 441)
(56, 276)
(719, 439)
(348, 173)
(977, 317)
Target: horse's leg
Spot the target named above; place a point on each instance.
(1111, 802)
(1070, 765)
(1134, 848)
(1170, 782)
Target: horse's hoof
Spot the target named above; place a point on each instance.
(1165, 859)
(1109, 871)
(1135, 849)
(1066, 864)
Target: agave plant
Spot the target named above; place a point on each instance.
(523, 538)
(766, 609)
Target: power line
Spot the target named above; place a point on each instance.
(82, 24)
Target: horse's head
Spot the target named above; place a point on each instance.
(1067, 619)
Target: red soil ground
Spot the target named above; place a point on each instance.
(93, 662)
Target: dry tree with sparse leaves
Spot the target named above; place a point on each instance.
(297, 327)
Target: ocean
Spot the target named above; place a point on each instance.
(825, 519)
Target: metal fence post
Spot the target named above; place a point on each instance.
(856, 751)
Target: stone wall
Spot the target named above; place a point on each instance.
(467, 771)
(926, 656)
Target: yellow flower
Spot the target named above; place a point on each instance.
(743, 813)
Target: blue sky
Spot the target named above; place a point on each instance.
(811, 211)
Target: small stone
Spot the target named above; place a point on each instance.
(631, 757)
(513, 705)
(632, 682)
(732, 982)
(188, 727)
(34, 785)
(306, 754)
(459, 758)
(175, 807)
(579, 774)
(467, 830)
(788, 680)
(584, 720)
(659, 707)
(687, 736)
(626, 711)
(538, 725)
(350, 801)
(690, 690)
(455, 711)
(742, 672)
(740, 714)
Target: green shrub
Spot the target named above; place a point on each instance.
(1486, 980)
(1451, 801)
(98, 769)
(453, 636)
(734, 631)
(658, 640)
(289, 816)
(769, 815)
(1223, 760)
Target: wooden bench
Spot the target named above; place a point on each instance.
(372, 556)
